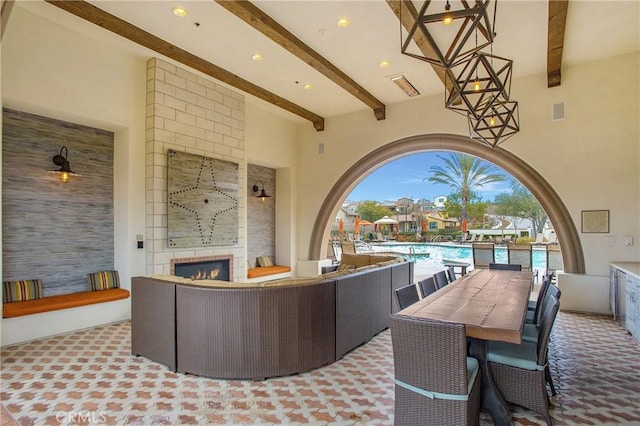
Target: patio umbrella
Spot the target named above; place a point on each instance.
(356, 226)
(424, 226)
(364, 224)
(341, 226)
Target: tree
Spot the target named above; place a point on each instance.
(372, 211)
(464, 173)
(521, 203)
(476, 207)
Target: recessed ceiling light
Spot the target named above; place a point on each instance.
(385, 64)
(307, 86)
(256, 57)
(180, 11)
(343, 22)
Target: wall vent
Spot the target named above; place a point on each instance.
(557, 112)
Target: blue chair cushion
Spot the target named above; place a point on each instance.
(531, 306)
(472, 371)
(523, 356)
(530, 317)
(472, 374)
(530, 333)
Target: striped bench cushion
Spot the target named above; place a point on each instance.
(103, 280)
(18, 291)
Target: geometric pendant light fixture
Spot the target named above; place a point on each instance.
(477, 83)
(498, 124)
(448, 28)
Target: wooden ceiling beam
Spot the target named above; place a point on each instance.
(5, 11)
(116, 25)
(262, 22)
(555, 40)
(407, 13)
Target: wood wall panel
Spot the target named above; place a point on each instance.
(58, 232)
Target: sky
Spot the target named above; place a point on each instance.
(406, 177)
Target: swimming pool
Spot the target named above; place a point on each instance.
(429, 256)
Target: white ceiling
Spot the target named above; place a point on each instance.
(594, 30)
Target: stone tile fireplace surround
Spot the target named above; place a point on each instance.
(204, 267)
(190, 113)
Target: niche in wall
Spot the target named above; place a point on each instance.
(261, 216)
(57, 232)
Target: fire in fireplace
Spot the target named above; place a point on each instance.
(204, 268)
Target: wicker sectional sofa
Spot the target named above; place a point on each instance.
(254, 331)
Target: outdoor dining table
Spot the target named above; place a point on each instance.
(492, 304)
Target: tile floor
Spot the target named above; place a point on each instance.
(89, 377)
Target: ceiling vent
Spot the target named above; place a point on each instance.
(402, 82)
(557, 112)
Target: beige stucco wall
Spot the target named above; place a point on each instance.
(591, 158)
(50, 70)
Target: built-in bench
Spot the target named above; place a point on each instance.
(62, 301)
(268, 271)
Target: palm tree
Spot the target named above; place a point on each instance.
(464, 173)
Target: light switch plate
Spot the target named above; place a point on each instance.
(628, 241)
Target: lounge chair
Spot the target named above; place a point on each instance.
(539, 239)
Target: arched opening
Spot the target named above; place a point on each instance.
(527, 175)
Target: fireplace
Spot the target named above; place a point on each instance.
(204, 267)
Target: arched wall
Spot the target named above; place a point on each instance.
(558, 214)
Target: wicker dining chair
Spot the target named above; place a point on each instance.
(435, 382)
(483, 254)
(554, 258)
(440, 278)
(521, 254)
(534, 318)
(531, 332)
(407, 295)
(519, 371)
(427, 286)
(505, 267)
(451, 274)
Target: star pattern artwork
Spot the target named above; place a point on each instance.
(202, 201)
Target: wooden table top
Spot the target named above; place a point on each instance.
(492, 304)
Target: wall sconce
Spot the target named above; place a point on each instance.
(263, 195)
(65, 169)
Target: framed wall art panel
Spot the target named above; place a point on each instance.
(595, 221)
(202, 201)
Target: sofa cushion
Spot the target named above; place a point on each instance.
(103, 280)
(356, 259)
(219, 283)
(336, 274)
(380, 258)
(289, 281)
(264, 261)
(345, 266)
(18, 291)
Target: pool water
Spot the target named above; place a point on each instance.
(429, 257)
